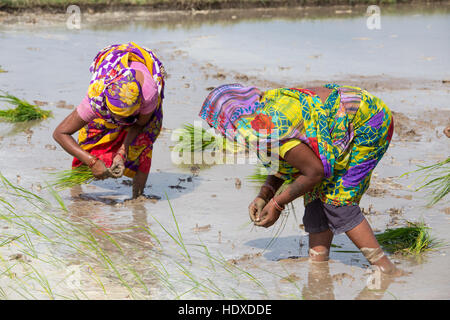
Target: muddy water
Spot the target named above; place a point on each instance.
(405, 63)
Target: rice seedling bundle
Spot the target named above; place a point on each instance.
(192, 141)
(23, 111)
(413, 239)
(435, 179)
(197, 139)
(70, 178)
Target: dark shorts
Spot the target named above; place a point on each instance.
(321, 216)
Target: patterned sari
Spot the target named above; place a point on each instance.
(103, 136)
(349, 133)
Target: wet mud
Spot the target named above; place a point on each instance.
(209, 202)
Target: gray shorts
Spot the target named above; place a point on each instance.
(321, 216)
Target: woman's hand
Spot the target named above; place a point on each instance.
(255, 208)
(447, 131)
(99, 170)
(268, 216)
(118, 165)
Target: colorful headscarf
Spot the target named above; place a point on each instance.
(245, 114)
(114, 88)
(226, 104)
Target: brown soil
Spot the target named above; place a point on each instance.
(245, 258)
(291, 278)
(199, 229)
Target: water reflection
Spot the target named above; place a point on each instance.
(320, 283)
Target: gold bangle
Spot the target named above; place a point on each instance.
(92, 162)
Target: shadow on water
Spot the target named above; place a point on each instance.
(296, 247)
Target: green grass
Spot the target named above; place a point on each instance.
(198, 139)
(414, 239)
(434, 180)
(23, 111)
(52, 238)
(67, 179)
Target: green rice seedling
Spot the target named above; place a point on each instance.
(177, 238)
(260, 174)
(67, 179)
(50, 233)
(414, 239)
(197, 139)
(435, 179)
(23, 111)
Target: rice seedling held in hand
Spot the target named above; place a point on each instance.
(434, 178)
(414, 239)
(70, 178)
(23, 111)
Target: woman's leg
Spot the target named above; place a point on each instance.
(319, 245)
(364, 238)
(139, 181)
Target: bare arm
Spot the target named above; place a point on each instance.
(311, 173)
(63, 135)
(267, 192)
(270, 187)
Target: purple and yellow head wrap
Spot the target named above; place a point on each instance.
(123, 96)
(114, 89)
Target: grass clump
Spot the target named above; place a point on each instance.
(414, 239)
(23, 111)
(435, 179)
(67, 179)
(198, 139)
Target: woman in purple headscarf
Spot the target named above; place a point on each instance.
(121, 116)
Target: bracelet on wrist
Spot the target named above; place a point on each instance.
(277, 205)
(124, 158)
(92, 162)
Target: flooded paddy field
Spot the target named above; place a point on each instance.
(196, 240)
